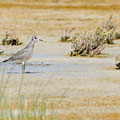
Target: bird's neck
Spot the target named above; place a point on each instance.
(31, 44)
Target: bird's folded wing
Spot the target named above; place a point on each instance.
(19, 55)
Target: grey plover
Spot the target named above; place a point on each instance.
(25, 54)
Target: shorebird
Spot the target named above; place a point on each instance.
(25, 54)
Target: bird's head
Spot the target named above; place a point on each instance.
(36, 38)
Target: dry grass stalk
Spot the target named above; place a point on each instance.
(67, 37)
(11, 39)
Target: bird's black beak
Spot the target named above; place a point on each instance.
(40, 40)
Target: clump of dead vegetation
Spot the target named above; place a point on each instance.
(11, 39)
(1, 52)
(92, 43)
(67, 36)
(89, 43)
(109, 28)
(117, 60)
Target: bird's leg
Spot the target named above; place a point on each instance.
(23, 67)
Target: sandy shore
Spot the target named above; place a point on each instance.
(92, 85)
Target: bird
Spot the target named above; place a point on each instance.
(25, 54)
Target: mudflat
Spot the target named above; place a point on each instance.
(88, 86)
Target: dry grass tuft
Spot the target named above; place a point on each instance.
(88, 43)
(108, 27)
(117, 60)
(11, 39)
(92, 43)
(66, 36)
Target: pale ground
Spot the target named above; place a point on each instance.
(92, 85)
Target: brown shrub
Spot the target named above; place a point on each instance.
(66, 36)
(11, 39)
(88, 43)
(92, 43)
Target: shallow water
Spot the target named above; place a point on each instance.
(55, 65)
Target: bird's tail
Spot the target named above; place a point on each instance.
(5, 61)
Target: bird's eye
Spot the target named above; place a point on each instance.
(35, 37)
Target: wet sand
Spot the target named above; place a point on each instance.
(92, 85)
